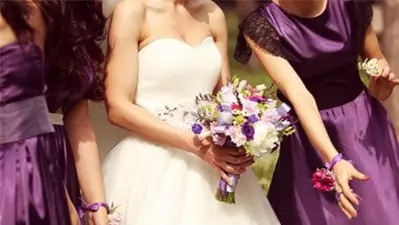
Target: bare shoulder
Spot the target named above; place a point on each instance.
(127, 20)
(214, 12)
(130, 9)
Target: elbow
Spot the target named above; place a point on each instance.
(114, 117)
(300, 97)
(115, 114)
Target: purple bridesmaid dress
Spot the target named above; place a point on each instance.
(31, 191)
(324, 52)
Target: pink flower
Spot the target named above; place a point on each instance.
(115, 218)
(235, 106)
(323, 180)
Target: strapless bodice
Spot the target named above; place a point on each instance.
(23, 108)
(21, 72)
(171, 71)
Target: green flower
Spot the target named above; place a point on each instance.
(239, 120)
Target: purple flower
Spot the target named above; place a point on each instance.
(224, 107)
(248, 130)
(219, 139)
(256, 98)
(253, 119)
(196, 128)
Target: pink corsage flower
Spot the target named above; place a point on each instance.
(323, 180)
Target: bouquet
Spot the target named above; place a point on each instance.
(241, 116)
(371, 67)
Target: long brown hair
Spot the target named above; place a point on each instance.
(72, 51)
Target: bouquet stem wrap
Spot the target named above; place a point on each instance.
(225, 192)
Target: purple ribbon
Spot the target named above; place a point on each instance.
(94, 207)
(225, 188)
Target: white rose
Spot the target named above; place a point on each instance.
(227, 94)
(265, 139)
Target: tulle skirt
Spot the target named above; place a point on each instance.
(154, 185)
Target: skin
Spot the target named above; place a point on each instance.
(83, 141)
(293, 88)
(135, 23)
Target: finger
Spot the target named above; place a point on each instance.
(348, 192)
(231, 168)
(385, 72)
(224, 176)
(359, 176)
(237, 153)
(395, 81)
(235, 160)
(347, 214)
(347, 205)
(391, 76)
(344, 203)
(247, 163)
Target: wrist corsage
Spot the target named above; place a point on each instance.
(114, 217)
(324, 179)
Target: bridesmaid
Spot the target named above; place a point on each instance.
(310, 49)
(31, 191)
(72, 81)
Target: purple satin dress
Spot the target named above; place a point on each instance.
(324, 52)
(31, 191)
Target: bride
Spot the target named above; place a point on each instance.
(162, 53)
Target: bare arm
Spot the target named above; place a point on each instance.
(371, 47)
(219, 30)
(85, 150)
(124, 37)
(305, 106)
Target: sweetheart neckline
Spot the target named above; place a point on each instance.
(193, 47)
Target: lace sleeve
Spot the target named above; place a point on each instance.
(256, 27)
(363, 15)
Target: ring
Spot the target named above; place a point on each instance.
(338, 196)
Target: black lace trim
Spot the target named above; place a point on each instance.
(258, 29)
(363, 16)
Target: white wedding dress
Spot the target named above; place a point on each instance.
(156, 185)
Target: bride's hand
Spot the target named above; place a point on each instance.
(348, 200)
(226, 160)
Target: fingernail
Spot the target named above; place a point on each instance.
(358, 197)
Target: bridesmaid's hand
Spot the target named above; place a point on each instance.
(99, 218)
(73, 214)
(344, 173)
(381, 86)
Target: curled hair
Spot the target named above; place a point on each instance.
(73, 54)
(15, 14)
